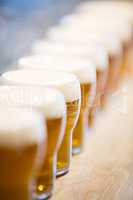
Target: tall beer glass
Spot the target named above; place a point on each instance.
(51, 104)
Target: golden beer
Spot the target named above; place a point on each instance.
(114, 77)
(79, 131)
(127, 49)
(101, 95)
(46, 177)
(67, 83)
(45, 101)
(63, 158)
(102, 77)
(21, 142)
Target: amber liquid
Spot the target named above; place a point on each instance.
(15, 172)
(100, 97)
(124, 60)
(115, 63)
(47, 174)
(102, 87)
(79, 132)
(65, 151)
(125, 68)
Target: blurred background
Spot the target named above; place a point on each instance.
(23, 21)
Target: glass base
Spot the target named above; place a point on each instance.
(43, 196)
(76, 151)
(62, 172)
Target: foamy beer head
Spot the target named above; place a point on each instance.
(84, 70)
(111, 9)
(73, 35)
(20, 127)
(71, 50)
(104, 16)
(22, 134)
(70, 40)
(41, 99)
(94, 21)
(53, 47)
(69, 85)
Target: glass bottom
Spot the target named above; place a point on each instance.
(43, 196)
(76, 151)
(62, 172)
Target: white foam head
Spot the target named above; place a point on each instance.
(84, 70)
(97, 22)
(118, 8)
(20, 127)
(39, 98)
(124, 12)
(90, 50)
(111, 42)
(67, 83)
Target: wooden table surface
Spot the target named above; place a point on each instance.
(105, 170)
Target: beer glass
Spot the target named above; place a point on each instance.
(51, 104)
(127, 51)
